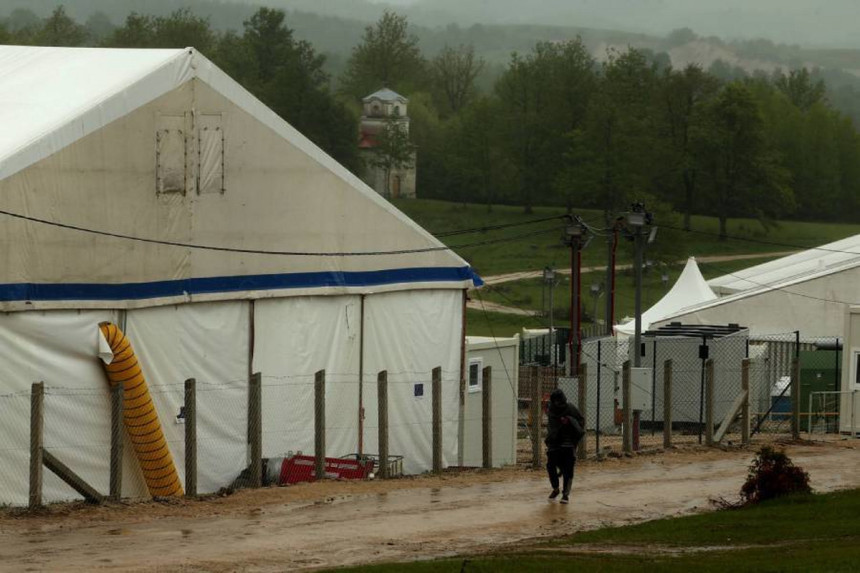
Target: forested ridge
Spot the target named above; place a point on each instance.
(548, 124)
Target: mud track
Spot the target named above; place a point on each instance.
(332, 524)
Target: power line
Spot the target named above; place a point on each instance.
(762, 241)
(496, 227)
(268, 252)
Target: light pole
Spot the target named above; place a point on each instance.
(596, 291)
(638, 218)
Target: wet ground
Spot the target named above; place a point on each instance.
(331, 524)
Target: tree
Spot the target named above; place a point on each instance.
(683, 95)
(60, 30)
(800, 89)
(180, 29)
(454, 73)
(388, 56)
(99, 26)
(742, 174)
(393, 150)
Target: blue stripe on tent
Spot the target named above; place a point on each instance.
(159, 289)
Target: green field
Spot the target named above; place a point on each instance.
(817, 533)
(536, 252)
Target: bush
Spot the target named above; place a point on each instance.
(772, 474)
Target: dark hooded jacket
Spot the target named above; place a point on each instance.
(565, 424)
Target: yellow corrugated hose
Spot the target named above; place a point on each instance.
(141, 418)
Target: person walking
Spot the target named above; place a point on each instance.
(565, 428)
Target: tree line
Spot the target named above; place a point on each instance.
(556, 127)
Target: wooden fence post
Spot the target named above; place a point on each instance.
(795, 399)
(319, 425)
(37, 426)
(191, 438)
(117, 395)
(255, 428)
(667, 403)
(745, 409)
(536, 416)
(382, 397)
(487, 417)
(437, 420)
(582, 388)
(709, 402)
(627, 410)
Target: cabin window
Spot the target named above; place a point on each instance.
(171, 163)
(210, 148)
(475, 375)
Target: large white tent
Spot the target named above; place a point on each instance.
(807, 292)
(116, 166)
(689, 290)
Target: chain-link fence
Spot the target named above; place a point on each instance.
(693, 385)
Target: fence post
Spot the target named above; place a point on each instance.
(667, 403)
(117, 394)
(627, 411)
(191, 438)
(437, 420)
(255, 428)
(487, 416)
(37, 426)
(795, 399)
(319, 425)
(536, 417)
(382, 411)
(582, 388)
(709, 402)
(745, 408)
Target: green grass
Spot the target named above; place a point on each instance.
(818, 533)
(532, 253)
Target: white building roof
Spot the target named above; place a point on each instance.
(50, 98)
(386, 94)
(838, 255)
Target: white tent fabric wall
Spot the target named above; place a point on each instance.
(408, 334)
(294, 338)
(58, 348)
(208, 342)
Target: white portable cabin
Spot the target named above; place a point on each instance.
(502, 354)
(849, 411)
(116, 167)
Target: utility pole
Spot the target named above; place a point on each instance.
(638, 218)
(612, 247)
(574, 233)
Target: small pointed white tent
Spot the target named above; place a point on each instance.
(690, 289)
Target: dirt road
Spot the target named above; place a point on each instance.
(331, 524)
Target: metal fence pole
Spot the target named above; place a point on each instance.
(116, 440)
(709, 402)
(667, 403)
(382, 397)
(255, 428)
(745, 409)
(319, 425)
(582, 383)
(437, 420)
(37, 426)
(627, 439)
(191, 438)
(795, 399)
(599, 405)
(487, 417)
(536, 417)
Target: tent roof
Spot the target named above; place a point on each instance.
(690, 289)
(52, 97)
(807, 264)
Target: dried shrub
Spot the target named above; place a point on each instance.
(772, 474)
